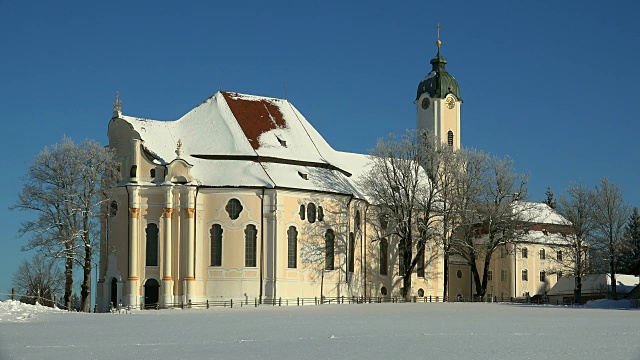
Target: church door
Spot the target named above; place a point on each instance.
(151, 292)
(114, 293)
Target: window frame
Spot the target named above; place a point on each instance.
(351, 252)
(152, 255)
(232, 205)
(292, 247)
(250, 246)
(215, 244)
(329, 249)
(383, 259)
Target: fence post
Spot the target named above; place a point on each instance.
(280, 301)
(207, 303)
(13, 294)
(232, 303)
(298, 301)
(255, 302)
(316, 298)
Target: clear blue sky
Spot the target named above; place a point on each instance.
(552, 85)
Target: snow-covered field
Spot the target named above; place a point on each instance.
(366, 331)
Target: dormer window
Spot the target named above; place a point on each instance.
(283, 143)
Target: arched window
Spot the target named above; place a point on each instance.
(420, 264)
(543, 255)
(543, 276)
(234, 208)
(352, 252)
(384, 250)
(384, 221)
(152, 245)
(114, 293)
(559, 255)
(525, 275)
(152, 172)
(320, 213)
(450, 138)
(525, 253)
(356, 220)
(250, 245)
(302, 212)
(292, 247)
(216, 245)
(329, 248)
(311, 212)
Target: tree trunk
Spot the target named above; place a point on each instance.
(474, 273)
(577, 291)
(612, 267)
(68, 279)
(85, 288)
(445, 291)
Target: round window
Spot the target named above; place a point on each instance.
(383, 290)
(420, 292)
(459, 274)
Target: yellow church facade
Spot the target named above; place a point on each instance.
(241, 198)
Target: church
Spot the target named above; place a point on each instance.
(241, 198)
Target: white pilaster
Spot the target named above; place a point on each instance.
(167, 279)
(134, 218)
(190, 244)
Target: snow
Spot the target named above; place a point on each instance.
(212, 129)
(612, 304)
(369, 331)
(595, 284)
(539, 213)
(15, 311)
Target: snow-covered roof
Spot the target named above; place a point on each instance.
(595, 284)
(544, 237)
(539, 213)
(243, 140)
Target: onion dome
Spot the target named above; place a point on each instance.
(439, 83)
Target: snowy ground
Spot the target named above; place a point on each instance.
(366, 331)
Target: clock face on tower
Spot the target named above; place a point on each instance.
(451, 103)
(425, 103)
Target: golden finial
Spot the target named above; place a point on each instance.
(438, 42)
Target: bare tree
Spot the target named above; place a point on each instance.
(40, 279)
(488, 203)
(575, 208)
(609, 213)
(402, 182)
(63, 187)
(451, 175)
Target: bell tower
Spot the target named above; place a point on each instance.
(438, 102)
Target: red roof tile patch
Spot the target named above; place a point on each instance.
(255, 117)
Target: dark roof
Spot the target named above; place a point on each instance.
(440, 84)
